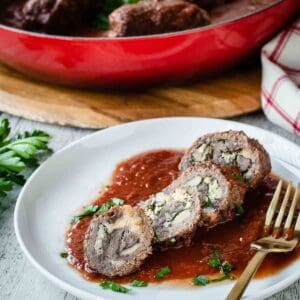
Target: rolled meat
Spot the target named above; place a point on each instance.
(203, 195)
(153, 17)
(118, 241)
(234, 149)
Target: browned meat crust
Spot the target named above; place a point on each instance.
(118, 241)
(231, 148)
(153, 17)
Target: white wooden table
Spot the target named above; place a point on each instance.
(18, 279)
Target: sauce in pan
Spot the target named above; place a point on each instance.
(142, 175)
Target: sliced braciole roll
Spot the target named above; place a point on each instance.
(203, 195)
(231, 148)
(118, 241)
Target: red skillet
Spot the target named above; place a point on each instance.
(135, 61)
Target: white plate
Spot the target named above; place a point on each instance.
(72, 177)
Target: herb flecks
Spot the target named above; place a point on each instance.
(97, 210)
(215, 262)
(200, 280)
(111, 285)
(163, 273)
(138, 283)
(239, 210)
(18, 154)
(89, 210)
(108, 205)
(63, 254)
(208, 202)
(240, 177)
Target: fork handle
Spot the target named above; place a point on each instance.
(242, 283)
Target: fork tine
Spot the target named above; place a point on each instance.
(273, 204)
(283, 207)
(290, 216)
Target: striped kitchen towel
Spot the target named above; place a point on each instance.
(281, 79)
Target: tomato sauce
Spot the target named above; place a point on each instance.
(147, 173)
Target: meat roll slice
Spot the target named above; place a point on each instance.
(153, 17)
(118, 241)
(201, 195)
(231, 148)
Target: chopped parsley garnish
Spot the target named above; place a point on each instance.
(225, 277)
(156, 238)
(208, 202)
(64, 254)
(215, 262)
(138, 283)
(239, 210)
(101, 21)
(19, 153)
(200, 280)
(239, 177)
(108, 205)
(226, 268)
(163, 272)
(89, 210)
(97, 210)
(110, 285)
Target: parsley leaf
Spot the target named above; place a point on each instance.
(226, 268)
(215, 261)
(97, 210)
(101, 21)
(200, 280)
(108, 205)
(111, 285)
(138, 283)
(64, 254)
(239, 210)
(225, 277)
(17, 154)
(239, 177)
(208, 202)
(89, 210)
(163, 272)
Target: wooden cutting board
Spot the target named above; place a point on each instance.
(230, 94)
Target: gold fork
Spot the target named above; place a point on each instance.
(278, 241)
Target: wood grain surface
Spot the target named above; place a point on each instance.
(230, 94)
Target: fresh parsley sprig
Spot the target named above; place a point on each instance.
(17, 154)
